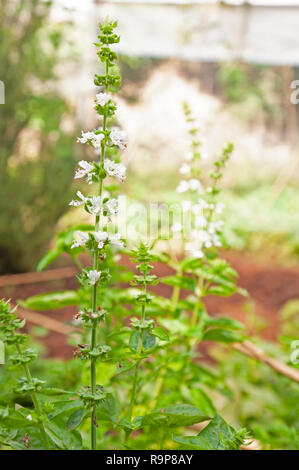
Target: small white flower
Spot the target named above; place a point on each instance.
(182, 187)
(201, 221)
(115, 240)
(202, 204)
(197, 254)
(185, 169)
(82, 200)
(219, 207)
(100, 238)
(102, 99)
(85, 169)
(84, 238)
(115, 169)
(203, 236)
(95, 139)
(195, 184)
(85, 137)
(217, 242)
(215, 226)
(189, 156)
(118, 138)
(94, 276)
(29, 417)
(112, 206)
(95, 205)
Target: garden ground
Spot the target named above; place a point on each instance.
(270, 286)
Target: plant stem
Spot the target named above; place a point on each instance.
(133, 395)
(35, 400)
(95, 299)
(139, 349)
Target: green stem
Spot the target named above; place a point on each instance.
(93, 424)
(139, 350)
(194, 320)
(35, 401)
(175, 296)
(133, 395)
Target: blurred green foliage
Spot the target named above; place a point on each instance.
(257, 88)
(36, 156)
(265, 402)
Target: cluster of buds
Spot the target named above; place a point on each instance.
(91, 398)
(143, 326)
(85, 352)
(88, 316)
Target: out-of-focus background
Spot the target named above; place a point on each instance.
(234, 62)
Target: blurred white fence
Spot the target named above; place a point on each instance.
(259, 31)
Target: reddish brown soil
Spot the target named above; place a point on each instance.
(269, 285)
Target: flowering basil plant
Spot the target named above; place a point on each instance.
(141, 382)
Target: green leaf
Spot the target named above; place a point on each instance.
(52, 300)
(48, 258)
(65, 407)
(62, 437)
(52, 391)
(108, 410)
(217, 435)
(189, 264)
(224, 323)
(14, 445)
(224, 336)
(124, 365)
(160, 333)
(222, 291)
(174, 415)
(201, 400)
(184, 282)
(148, 340)
(76, 418)
(175, 326)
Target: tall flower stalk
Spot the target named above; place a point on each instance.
(141, 338)
(102, 207)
